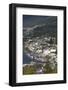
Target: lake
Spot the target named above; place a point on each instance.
(26, 59)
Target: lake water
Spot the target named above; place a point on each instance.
(26, 59)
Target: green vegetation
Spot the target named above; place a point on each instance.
(48, 69)
(29, 70)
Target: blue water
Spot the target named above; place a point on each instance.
(26, 59)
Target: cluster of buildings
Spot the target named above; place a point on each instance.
(41, 51)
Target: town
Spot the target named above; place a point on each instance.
(43, 53)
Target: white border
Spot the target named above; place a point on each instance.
(19, 50)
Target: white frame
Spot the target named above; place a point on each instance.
(19, 54)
